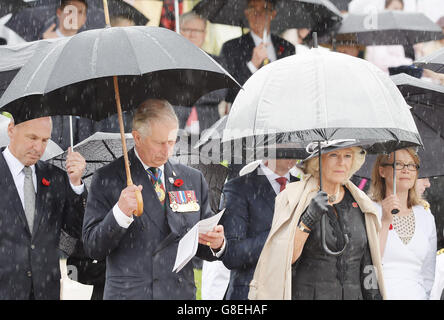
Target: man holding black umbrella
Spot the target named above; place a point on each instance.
(141, 251)
(245, 55)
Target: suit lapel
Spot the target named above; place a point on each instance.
(7, 183)
(265, 190)
(40, 197)
(152, 208)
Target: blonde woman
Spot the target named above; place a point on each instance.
(293, 264)
(408, 239)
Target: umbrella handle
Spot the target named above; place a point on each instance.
(129, 180)
(324, 242)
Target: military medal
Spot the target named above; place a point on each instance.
(160, 192)
(183, 201)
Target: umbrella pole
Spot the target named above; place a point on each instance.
(70, 133)
(176, 15)
(129, 180)
(394, 211)
(324, 217)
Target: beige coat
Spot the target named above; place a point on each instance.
(272, 277)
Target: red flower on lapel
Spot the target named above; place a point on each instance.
(355, 205)
(45, 182)
(178, 182)
(281, 50)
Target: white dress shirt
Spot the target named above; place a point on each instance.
(16, 169)
(122, 219)
(271, 53)
(272, 176)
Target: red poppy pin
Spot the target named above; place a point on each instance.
(281, 50)
(355, 205)
(45, 182)
(178, 182)
(391, 227)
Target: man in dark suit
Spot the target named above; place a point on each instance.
(38, 200)
(249, 202)
(140, 251)
(245, 55)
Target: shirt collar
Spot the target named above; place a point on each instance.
(14, 164)
(258, 40)
(144, 165)
(271, 175)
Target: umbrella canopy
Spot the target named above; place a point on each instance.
(434, 61)
(121, 8)
(386, 28)
(98, 150)
(321, 96)
(419, 92)
(76, 73)
(427, 101)
(31, 22)
(318, 15)
(9, 6)
(342, 5)
(12, 58)
(52, 149)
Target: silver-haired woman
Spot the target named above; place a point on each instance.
(294, 263)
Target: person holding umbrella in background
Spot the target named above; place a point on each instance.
(408, 238)
(353, 273)
(71, 16)
(243, 56)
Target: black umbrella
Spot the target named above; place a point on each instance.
(73, 74)
(8, 6)
(30, 23)
(434, 61)
(98, 150)
(85, 74)
(12, 58)
(120, 8)
(342, 5)
(427, 101)
(318, 15)
(385, 28)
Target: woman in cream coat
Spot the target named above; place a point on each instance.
(293, 264)
(408, 239)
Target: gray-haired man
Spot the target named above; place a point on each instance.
(141, 251)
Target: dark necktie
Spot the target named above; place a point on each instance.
(282, 182)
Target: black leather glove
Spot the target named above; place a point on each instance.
(316, 208)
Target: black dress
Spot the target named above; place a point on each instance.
(317, 275)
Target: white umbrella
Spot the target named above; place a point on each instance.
(321, 96)
(52, 149)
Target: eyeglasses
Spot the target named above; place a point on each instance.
(190, 30)
(400, 166)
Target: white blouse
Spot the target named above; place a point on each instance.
(409, 269)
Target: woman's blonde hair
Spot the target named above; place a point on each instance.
(311, 166)
(378, 189)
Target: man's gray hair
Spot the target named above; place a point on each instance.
(152, 110)
(191, 15)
